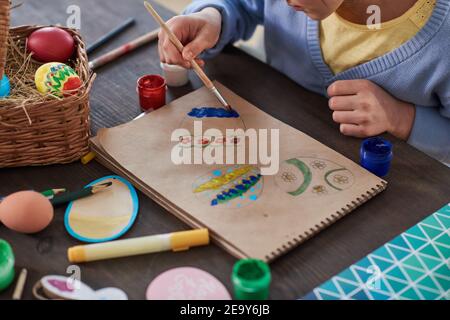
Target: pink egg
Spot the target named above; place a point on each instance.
(26, 212)
(51, 44)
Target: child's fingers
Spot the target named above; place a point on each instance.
(162, 57)
(195, 47)
(172, 55)
(343, 103)
(346, 117)
(353, 130)
(200, 62)
(202, 41)
(350, 117)
(347, 87)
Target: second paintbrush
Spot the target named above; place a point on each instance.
(83, 193)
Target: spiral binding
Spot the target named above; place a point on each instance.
(294, 242)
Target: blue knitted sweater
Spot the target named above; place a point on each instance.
(417, 72)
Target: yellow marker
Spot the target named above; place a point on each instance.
(177, 241)
(88, 158)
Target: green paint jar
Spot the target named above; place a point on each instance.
(251, 279)
(6, 265)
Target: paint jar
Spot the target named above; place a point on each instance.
(175, 76)
(152, 92)
(376, 156)
(251, 279)
(6, 265)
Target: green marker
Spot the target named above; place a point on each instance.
(85, 192)
(6, 265)
(251, 279)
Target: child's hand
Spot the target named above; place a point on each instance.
(364, 109)
(198, 32)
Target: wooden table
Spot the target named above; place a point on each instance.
(418, 185)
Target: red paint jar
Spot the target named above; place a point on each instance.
(152, 92)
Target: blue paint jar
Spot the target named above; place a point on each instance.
(376, 156)
(5, 88)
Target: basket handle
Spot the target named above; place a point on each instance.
(5, 6)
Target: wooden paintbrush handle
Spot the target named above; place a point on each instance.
(202, 75)
(177, 43)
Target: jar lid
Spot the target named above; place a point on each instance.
(6, 265)
(151, 82)
(251, 276)
(376, 148)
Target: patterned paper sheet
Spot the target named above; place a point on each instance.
(413, 266)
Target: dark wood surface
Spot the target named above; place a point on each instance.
(418, 185)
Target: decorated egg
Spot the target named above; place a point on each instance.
(58, 79)
(51, 44)
(4, 87)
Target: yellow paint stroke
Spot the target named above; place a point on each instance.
(97, 227)
(218, 182)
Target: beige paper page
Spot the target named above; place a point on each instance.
(314, 187)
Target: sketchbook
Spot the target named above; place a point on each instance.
(260, 186)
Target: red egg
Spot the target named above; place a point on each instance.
(51, 44)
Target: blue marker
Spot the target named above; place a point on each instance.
(110, 35)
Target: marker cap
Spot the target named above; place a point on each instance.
(76, 254)
(180, 241)
(251, 279)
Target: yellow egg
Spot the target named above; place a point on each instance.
(58, 79)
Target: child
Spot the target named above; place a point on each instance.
(393, 77)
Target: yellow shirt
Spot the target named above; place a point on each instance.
(346, 44)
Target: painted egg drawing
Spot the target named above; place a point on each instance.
(313, 177)
(230, 187)
(104, 216)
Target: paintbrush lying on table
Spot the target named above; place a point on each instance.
(85, 192)
(176, 42)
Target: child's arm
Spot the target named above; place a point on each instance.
(210, 25)
(364, 109)
(431, 130)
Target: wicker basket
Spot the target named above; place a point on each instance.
(49, 132)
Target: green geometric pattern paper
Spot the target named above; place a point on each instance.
(413, 266)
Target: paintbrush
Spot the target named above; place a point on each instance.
(124, 49)
(52, 192)
(15, 6)
(85, 192)
(173, 38)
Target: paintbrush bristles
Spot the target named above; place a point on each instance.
(177, 43)
(101, 187)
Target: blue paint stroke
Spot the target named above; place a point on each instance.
(210, 112)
